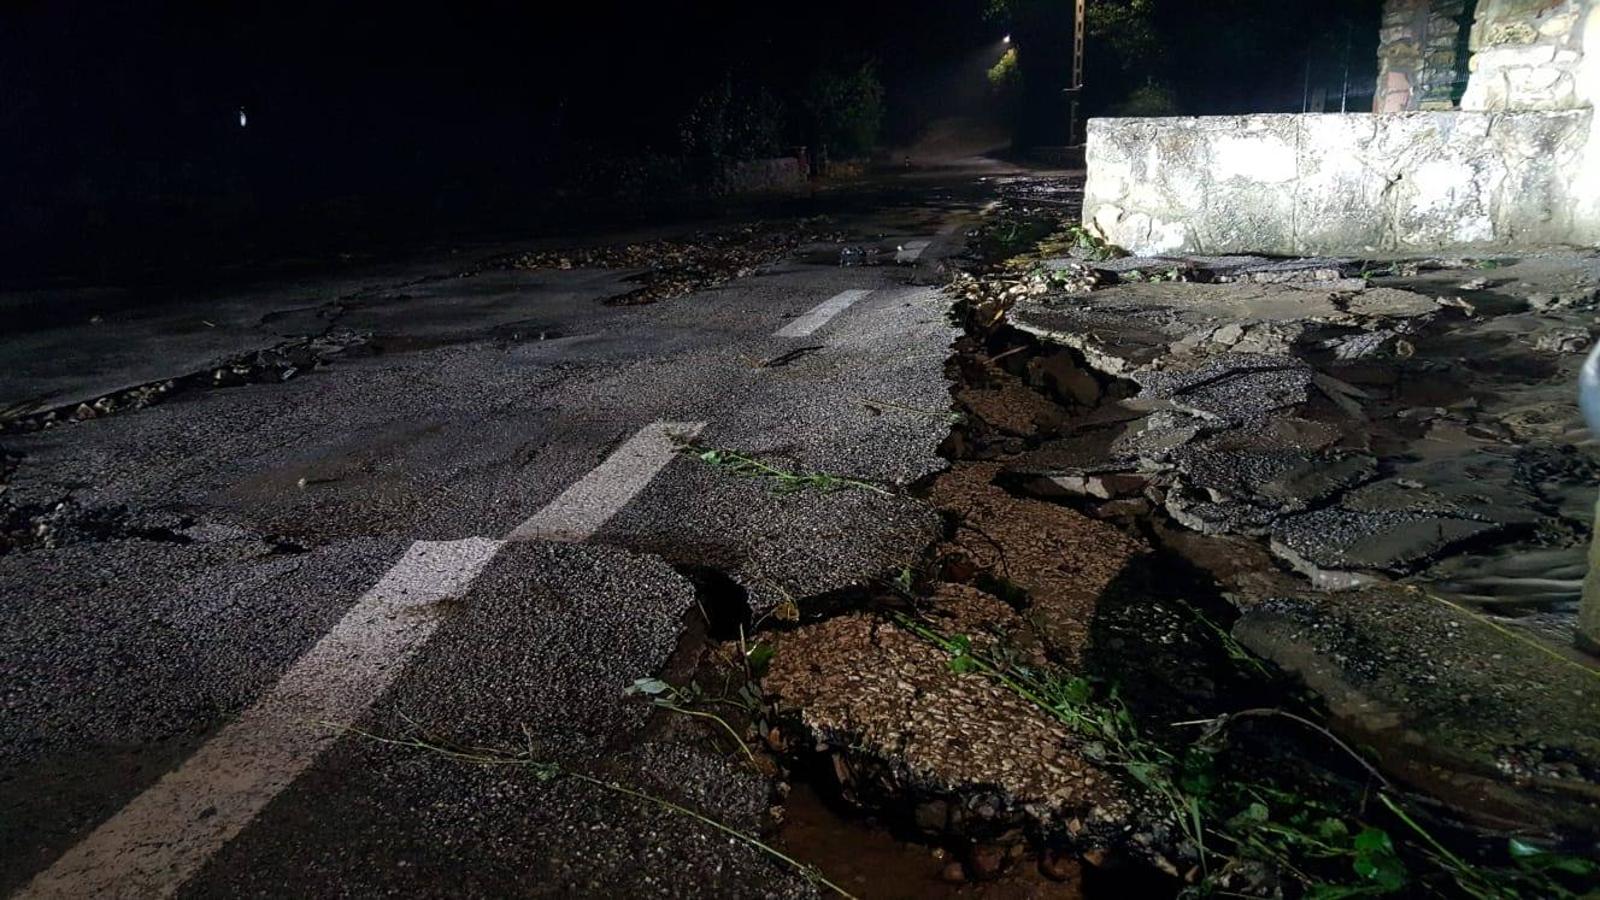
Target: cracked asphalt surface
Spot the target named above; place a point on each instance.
(236, 525)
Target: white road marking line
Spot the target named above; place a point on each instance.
(161, 838)
(910, 251)
(948, 229)
(585, 506)
(165, 835)
(820, 314)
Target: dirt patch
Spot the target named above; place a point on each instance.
(1050, 562)
(976, 760)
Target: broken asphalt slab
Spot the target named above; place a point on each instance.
(1363, 434)
(1450, 702)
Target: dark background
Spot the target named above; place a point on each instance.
(373, 122)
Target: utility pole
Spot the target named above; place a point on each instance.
(1075, 89)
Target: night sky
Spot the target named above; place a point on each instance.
(124, 118)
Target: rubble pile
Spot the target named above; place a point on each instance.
(1168, 473)
(1381, 465)
(1364, 428)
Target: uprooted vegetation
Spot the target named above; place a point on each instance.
(783, 481)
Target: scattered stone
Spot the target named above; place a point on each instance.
(269, 366)
(1563, 340)
(1107, 486)
(1363, 345)
(1228, 335)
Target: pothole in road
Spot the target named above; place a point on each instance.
(723, 603)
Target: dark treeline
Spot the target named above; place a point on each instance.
(124, 135)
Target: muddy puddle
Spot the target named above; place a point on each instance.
(866, 858)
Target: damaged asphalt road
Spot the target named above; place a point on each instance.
(172, 552)
(654, 569)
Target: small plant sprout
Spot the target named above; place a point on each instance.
(679, 700)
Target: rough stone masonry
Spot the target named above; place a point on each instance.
(1504, 156)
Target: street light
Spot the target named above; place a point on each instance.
(1006, 39)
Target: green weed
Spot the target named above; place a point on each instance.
(783, 480)
(681, 701)
(1084, 243)
(1230, 821)
(1237, 653)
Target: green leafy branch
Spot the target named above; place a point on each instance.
(1227, 821)
(784, 481)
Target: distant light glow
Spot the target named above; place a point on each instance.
(1006, 39)
(243, 119)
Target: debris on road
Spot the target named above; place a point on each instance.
(678, 267)
(783, 481)
(271, 365)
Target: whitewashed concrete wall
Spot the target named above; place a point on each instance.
(1342, 184)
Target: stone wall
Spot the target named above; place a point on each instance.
(1422, 54)
(1528, 54)
(1517, 167)
(1341, 184)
